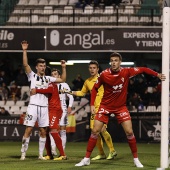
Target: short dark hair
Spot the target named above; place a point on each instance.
(58, 71)
(116, 55)
(94, 62)
(40, 60)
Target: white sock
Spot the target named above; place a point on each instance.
(63, 138)
(41, 145)
(25, 143)
(53, 146)
(135, 159)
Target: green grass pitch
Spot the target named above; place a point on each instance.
(149, 155)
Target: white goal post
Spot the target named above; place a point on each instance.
(164, 161)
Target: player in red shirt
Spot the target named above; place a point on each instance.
(55, 113)
(115, 81)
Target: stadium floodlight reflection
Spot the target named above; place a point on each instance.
(127, 63)
(71, 62)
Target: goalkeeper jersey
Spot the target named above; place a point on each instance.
(87, 87)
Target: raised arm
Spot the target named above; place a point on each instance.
(25, 59)
(63, 75)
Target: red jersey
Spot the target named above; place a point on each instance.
(53, 99)
(115, 85)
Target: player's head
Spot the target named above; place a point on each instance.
(93, 68)
(40, 66)
(56, 73)
(115, 61)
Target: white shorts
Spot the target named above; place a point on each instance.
(37, 113)
(64, 120)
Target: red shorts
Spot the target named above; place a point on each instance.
(54, 118)
(122, 114)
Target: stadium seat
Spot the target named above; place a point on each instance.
(2, 103)
(136, 2)
(53, 19)
(23, 2)
(83, 101)
(151, 109)
(63, 2)
(58, 11)
(145, 19)
(43, 19)
(38, 11)
(34, 19)
(24, 109)
(15, 108)
(75, 103)
(33, 2)
(108, 10)
(123, 19)
(53, 2)
(20, 103)
(48, 10)
(10, 103)
(43, 2)
(17, 11)
(72, 2)
(68, 10)
(13, 20)
(129, 10)
(158, 109)
(24, 19)
(87, 109)
(133, 19)
(78, 11)
(88, 10)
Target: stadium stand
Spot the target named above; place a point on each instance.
(23, 13)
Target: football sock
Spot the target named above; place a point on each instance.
(108, 140)
(63, 138)
(48, 145)
(91, 144)
(58, 142)
(25, 143)
(132, 144)
(99, 145)
(53, 146)
(41, 145)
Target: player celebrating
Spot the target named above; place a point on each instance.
(38, 104)
(87, 87)
(115, 81)
(55, 113)
(63, 121)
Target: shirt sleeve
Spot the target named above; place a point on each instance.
(138, 70)
(95, 89)
(45, 91)
(52, 79)
(30, 75)
(71, 99)
(83, 91)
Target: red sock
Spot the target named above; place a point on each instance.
(48, 145)
(58, 142)
(91, 144)
(132, 144)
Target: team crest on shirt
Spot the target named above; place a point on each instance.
(136, 69)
